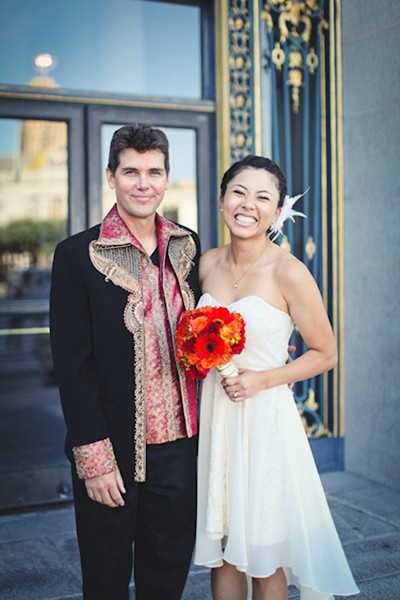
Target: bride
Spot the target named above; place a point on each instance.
(262, 513)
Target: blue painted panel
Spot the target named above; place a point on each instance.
(328, 454)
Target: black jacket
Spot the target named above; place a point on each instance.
(93, 351)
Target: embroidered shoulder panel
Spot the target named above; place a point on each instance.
(122, 266)
(181, 252)
(117, 264)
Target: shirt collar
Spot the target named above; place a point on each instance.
(114, 231)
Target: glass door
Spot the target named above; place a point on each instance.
(52, 162)
(62, 95)
(38, 206)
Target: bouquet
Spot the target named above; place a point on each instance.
(207, 337)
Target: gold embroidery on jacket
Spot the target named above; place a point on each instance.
(121, 265)
(181, 254)
(181, 257)
(110, 261)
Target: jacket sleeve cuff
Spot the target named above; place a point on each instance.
(94, 459)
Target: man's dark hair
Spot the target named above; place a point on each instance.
(141, 137)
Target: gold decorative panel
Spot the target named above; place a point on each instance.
(294, 23)
(240, 79)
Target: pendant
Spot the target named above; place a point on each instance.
(235, 285)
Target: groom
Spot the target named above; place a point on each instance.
(118, 290)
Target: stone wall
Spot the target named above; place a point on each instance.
(371, 109)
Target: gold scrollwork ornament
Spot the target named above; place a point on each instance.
(310, 247)
(312, 427)
(294, 28)
(278, 56)
(295, 76)
(312, 61)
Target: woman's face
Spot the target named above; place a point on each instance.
(250, 203)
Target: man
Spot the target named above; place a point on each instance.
(118, 290)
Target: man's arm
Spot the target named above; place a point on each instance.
(71, 341)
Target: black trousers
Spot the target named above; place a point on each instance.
(158, 516)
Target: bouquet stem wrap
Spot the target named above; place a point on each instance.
(228, 370)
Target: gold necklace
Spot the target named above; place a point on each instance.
(236, 281)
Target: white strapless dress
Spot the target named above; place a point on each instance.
(259, 490)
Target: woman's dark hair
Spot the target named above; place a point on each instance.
(256, 162)
(141, 137)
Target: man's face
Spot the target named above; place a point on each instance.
(139, 182)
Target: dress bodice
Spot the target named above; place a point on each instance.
(268, 330)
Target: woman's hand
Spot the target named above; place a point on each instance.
(249, 383)
(246, 385)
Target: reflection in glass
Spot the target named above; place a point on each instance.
(33, 218)
(180, 201)
(128, 47)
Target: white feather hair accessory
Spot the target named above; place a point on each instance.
(287, 212)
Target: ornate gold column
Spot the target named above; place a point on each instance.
(238, 88)
(307, 43)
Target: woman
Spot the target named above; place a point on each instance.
(262, 512)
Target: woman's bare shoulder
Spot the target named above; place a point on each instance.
(210, 254)
(294, 280)
(289, 268)
(213, 256)
(210, 259)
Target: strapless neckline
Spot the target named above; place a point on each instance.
(245, 298)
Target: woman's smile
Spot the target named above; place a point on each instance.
(245, 219)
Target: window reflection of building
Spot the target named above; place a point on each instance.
(33, 217)
(42, 143)
(33, 206)
(33, 181)
(35, 186)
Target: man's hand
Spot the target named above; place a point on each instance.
(106, 489)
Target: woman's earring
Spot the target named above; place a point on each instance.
(221, 209)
